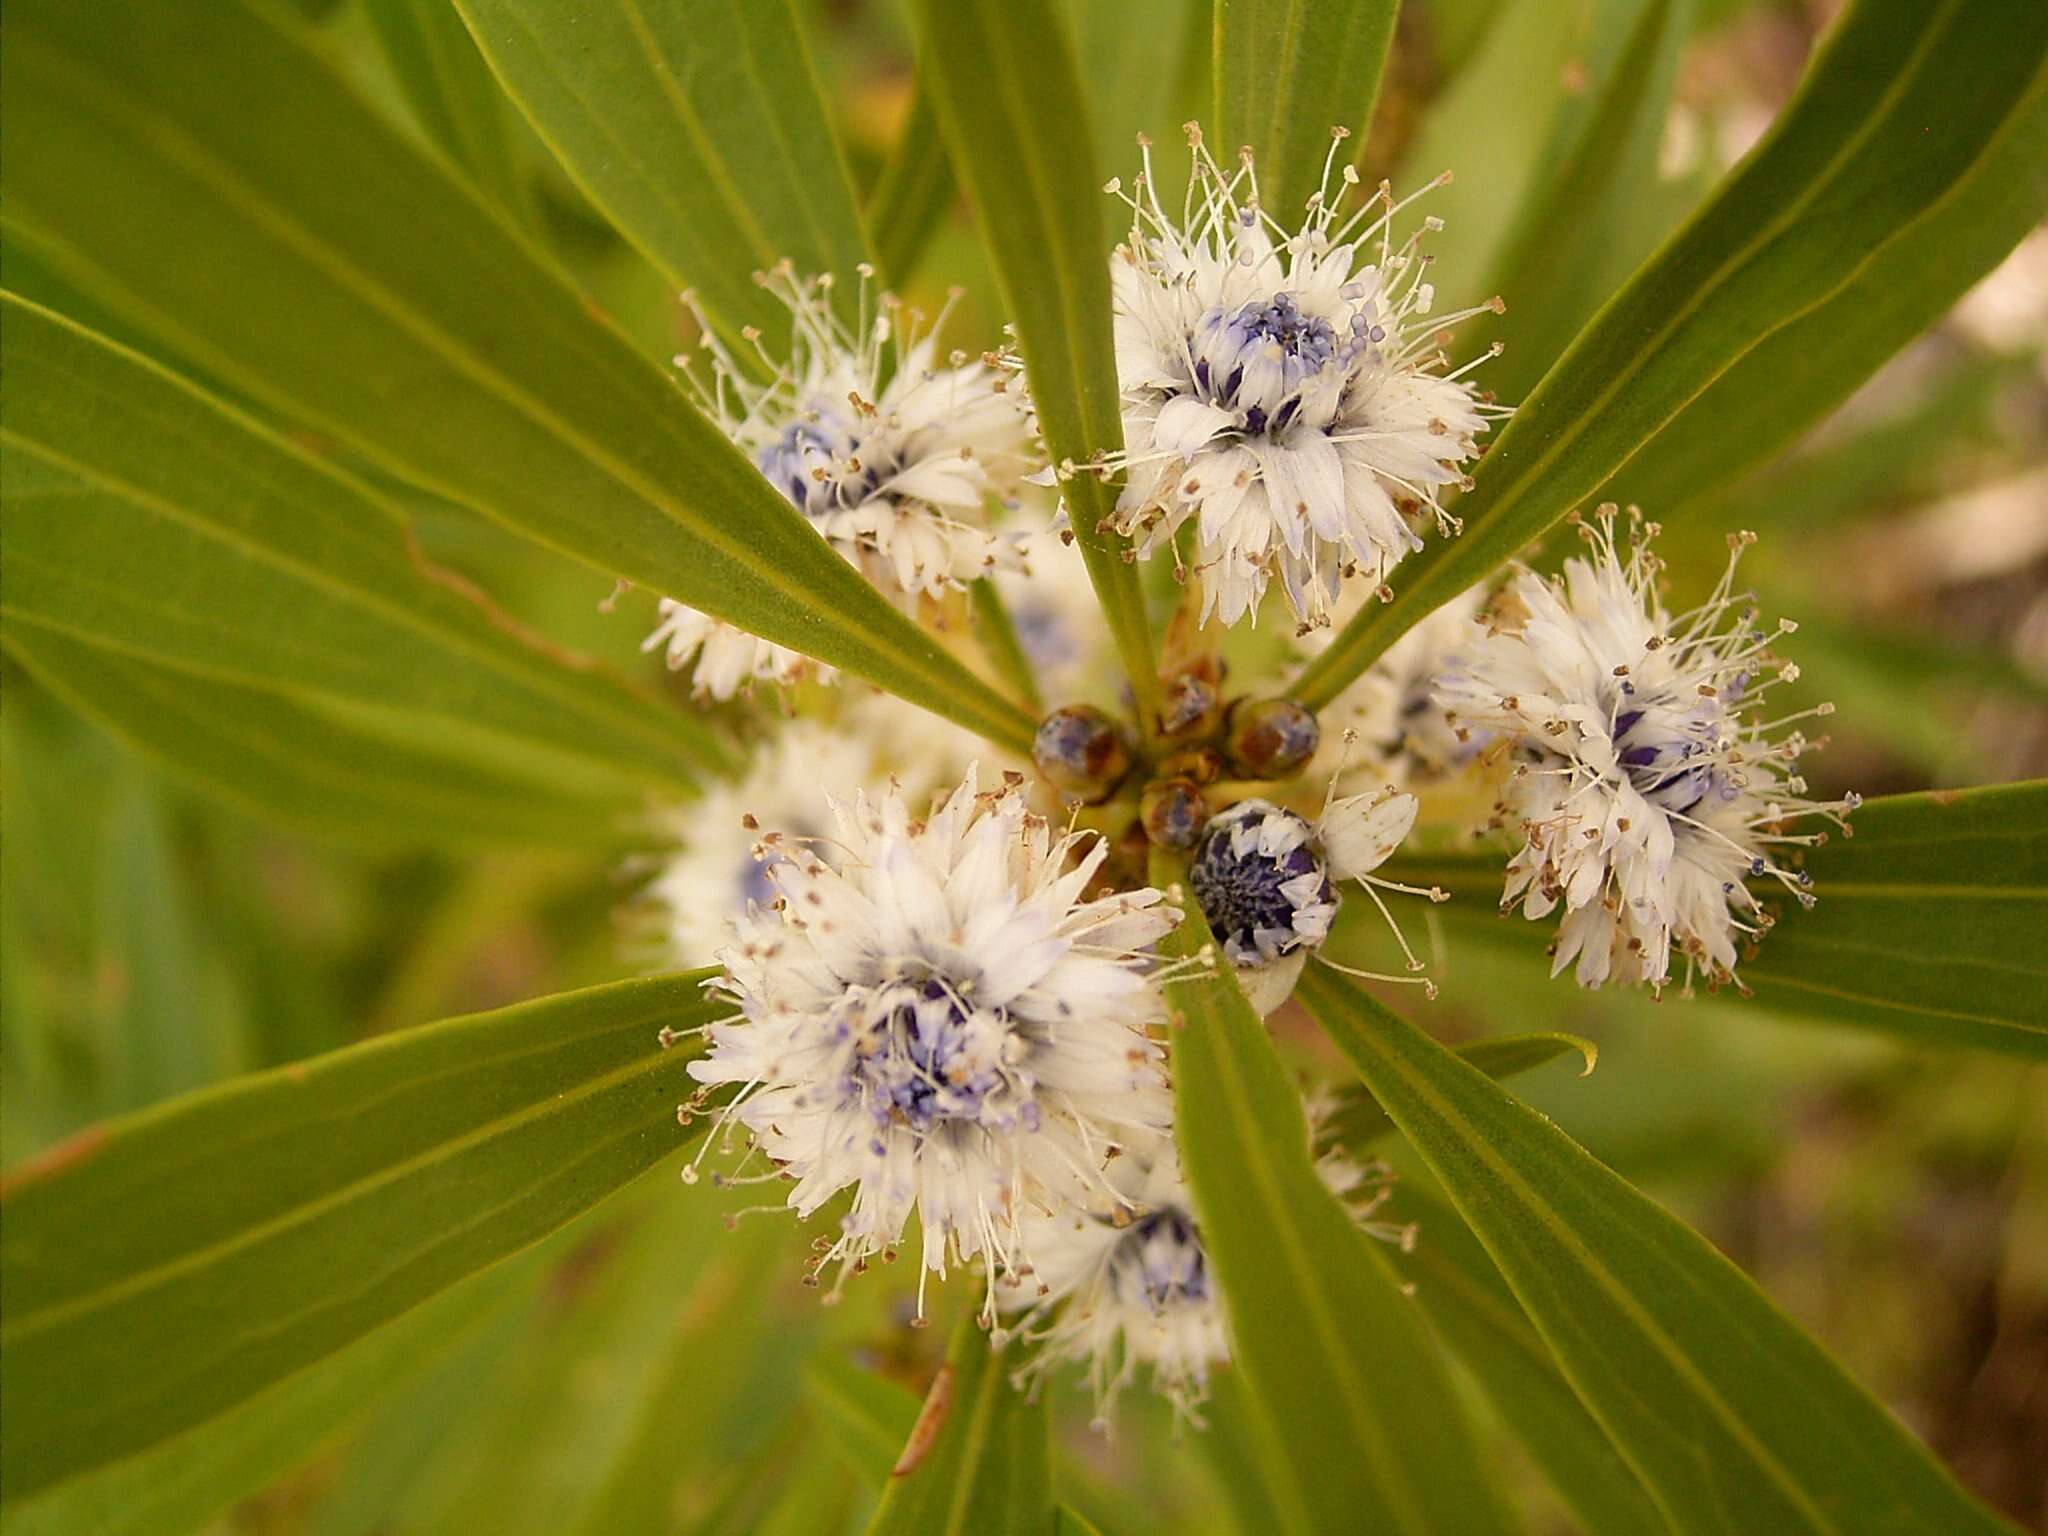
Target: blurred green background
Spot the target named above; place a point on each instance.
(1895, 1202)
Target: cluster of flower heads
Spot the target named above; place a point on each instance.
(891, 454)
(1644, 784)
(956, 1017)
(1284, 390)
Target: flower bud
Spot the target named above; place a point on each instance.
(1081, 752)
(1271, 738)
(1189, 705)
(1173, 812)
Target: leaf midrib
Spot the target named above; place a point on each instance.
(199, 161)
(1251, 1136)
(1481, 1150)
(133, 1282)
(418, 621)
(1766, 233)
(110, 1407)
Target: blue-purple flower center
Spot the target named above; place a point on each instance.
(1671, 751)
(1160, 1259)
(812, 464)
(913, 1065)
(1244, 895)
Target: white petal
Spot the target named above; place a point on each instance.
(1360, 832)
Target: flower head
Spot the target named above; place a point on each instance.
(890, 453)
(719, 869)
(1126, 1282)
(1266, 879)
(716, 867)
(1395, 727)
(1643, 791)
(1058, 622)
(1282, 388)
(936, 1021)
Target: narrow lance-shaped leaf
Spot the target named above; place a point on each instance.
(161, 163)
(1002, 76)
(699, 129)
(350, 775)
(976, 1460)
(1734, 1420)
(867, 1417)
(163, 1268)
(1289, 71)
(1471, 1309)
(145, 518)
(1352, 1393)
(915, 189)
(1129, 74)
(1906, 283)
(181, 1483)
(727, 1364)
(1905, 103)
(1928, 923)
(1560, 258)
(1354, 1119)
(1925, 922)
(453, 94)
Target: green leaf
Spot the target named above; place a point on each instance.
(1905, 281)
(530, 1447)
(1928, 922)
(1567, 250)
(1351, 1394)
(725, 1366)
(178, 1484)
(164, 1268)
(866, 1416)
(1003, 79)
(1130, 86)
(1355, 1119)
(453, 94)
(697, 127)
(162, 164)
(1471, 1309)
(1734, 1420)
(1902, 105)
(355, 776)
(914, 192)
(1548, 179)
(146, 518)
(1287, 72)
(999, 643)
(987, 1466)
(173, 1016)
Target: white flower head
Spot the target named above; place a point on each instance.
(719, 868)
(1644, 792)
(938, 1022)
(892, 454)
(1058, 621)
(715, 867)
(1390, 710)
(1126, 1283)
(1283, 389)
(1266, 880)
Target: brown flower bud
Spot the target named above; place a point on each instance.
(1173, 812)
(1271, 738)
(1081, 752)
